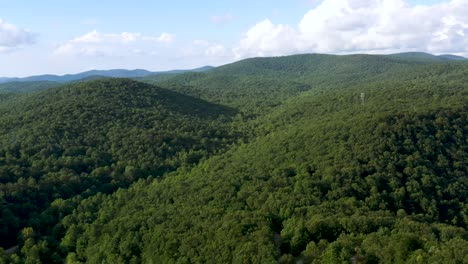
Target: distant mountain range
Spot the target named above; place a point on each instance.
(309, 158)
(427, 56)
(122, 73)
(117, 73)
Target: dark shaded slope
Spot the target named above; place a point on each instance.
(93, 137)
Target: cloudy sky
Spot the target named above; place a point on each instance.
(59, 37)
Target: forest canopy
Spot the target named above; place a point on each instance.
(307, 158)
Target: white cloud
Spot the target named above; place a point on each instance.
(347, 26)
(267, 39)
(11, 36)
(215, 50)
(135, 50)
(222, 19)
(129, 37)
(165, 38)
(207, 48)
(95, 43)
(91, 37)
(94, 37)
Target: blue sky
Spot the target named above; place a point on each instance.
(60, 37)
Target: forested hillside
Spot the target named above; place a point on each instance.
(95, 137)
(298, 159)
(25, 87)
(257, 85)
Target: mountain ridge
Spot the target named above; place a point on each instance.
(361, 166)
(306, 158)
(428, 56)
(115, 73)
(138, 73)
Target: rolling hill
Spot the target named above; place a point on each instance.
(257, 85)
(97, 136)
(299, 159)
(327, 178)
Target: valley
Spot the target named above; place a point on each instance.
(310, 158)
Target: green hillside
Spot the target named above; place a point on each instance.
(25, 87)
(299, 159)
(328, 179)
(96, 137)
(254, 86)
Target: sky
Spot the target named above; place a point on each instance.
(62, 37)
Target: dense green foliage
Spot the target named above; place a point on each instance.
(255, 86)
(25, 87)
(336, 159)
(95, 137)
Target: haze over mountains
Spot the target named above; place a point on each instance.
(423, 55)
(122, 73)
(309, 158)
(119, 73)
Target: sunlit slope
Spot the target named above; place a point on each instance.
(256, 85)
(374, 170)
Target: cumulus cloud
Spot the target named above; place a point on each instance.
(165, 38)
(11, 36)
(95, 43)
(348, 26)
(222, 19)
(267, 39)
(215, 50)
(210, 49)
